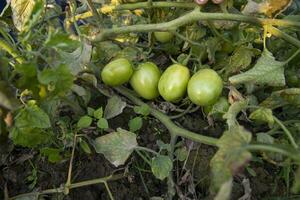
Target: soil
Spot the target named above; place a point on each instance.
(191, 177)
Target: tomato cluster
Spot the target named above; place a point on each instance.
(203, 88)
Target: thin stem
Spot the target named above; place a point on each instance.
(146, 149)
(68, 183)
(74, 185)
(108, 191)
(186, 39)
(272, 148)
(171, 184)
(293, 56)
(287, 132)
(283, 35)
(143, 157)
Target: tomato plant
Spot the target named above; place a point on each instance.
(173, 82)
(78, 79)
(205, 87)
(145, 80)
(117, 72)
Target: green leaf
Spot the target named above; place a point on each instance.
(267, 71)
(52, 154)
(116, 146)
(28, 79)
(283, 97)
(77, 60)
(26, 12)
(30, 137)
(60, 40)
(161, 166)
(263, 115)
(102, 123)
(105, 51)
(264, 138)
(233, 111)
(59, 80)
(241, 59)
(135, 124)
(114, 107)
(84, 122)
(32, 117)
(90, 111)
(230, 157)
(29, 197)
(85, 147)
(142, 110)
(98, 114)
(181, 154)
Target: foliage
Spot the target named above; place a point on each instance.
(53, 101)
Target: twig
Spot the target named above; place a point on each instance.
(287, 132)
(94, 11)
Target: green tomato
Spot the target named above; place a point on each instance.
(117, 72)
(205, 87)
(163, 37)
(173, 82)
(145, 80)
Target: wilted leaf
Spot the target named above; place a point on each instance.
(241, 59)
(142, 110)
(273, 7)
(116, 146)
(283, 97)
(78, 60)
(230, 158)
(161, 166)
(84, 122)
(233, 111)
(52, 154)
(25, 10)
(263, 115)
(135, 124)
(267, 71)
(114, 107)
(213, 45)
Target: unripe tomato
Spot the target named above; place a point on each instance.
(145, 80)
(43, 92)
(205, 87)
(163, 37)
(173, 82)
(117, 72)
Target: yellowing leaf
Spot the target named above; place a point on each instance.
(274, 7)
(23, 10)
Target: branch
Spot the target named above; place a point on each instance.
(173, 128)
(192, 16)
